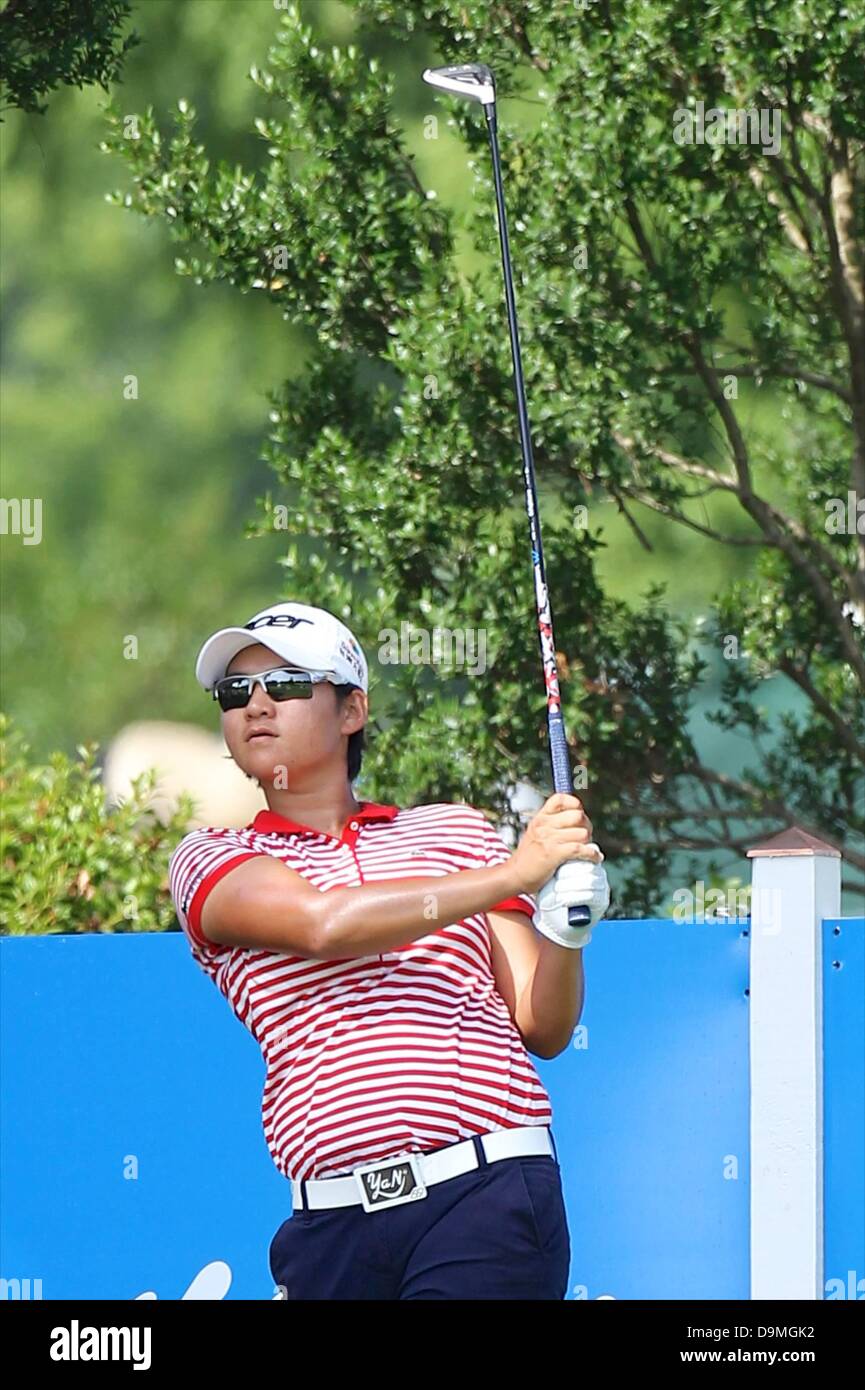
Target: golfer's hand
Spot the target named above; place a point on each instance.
(559, 832)
(582, 884)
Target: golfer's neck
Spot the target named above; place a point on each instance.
(326, 806)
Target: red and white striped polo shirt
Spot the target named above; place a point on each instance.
(378, 1055)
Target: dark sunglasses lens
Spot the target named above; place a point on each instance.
(233, 694)
(285, 687)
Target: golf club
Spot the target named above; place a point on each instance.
(476, 81)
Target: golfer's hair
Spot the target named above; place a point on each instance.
(356, 740)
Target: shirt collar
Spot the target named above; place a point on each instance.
(270, 823)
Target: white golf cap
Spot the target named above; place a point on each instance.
(310, 638)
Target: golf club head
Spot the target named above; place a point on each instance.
(472, 80)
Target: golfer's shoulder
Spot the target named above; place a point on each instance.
(442, 812)
(207, 843)
(470, 825)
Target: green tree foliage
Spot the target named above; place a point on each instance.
(70, 864)
(669, 289)
(143, 494)
(46, 43)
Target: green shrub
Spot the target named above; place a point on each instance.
(69, 862)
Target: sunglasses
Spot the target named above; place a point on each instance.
(235, 692)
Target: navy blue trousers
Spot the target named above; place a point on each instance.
(497, 1232)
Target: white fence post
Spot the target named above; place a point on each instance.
(796, 882)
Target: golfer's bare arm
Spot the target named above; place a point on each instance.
(264, 904)
(542, 983)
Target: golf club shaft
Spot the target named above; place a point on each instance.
(562, 781)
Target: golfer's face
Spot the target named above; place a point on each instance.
(268, 735)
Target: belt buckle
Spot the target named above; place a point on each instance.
(390, 1182)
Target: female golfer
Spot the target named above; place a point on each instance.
(393, 967)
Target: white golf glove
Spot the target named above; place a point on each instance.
(578, 883)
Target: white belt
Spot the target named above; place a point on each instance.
(406, 1177)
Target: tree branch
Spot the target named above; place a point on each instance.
(694, 470)
(799, 675)
(785, 531)
(637, 530)
(769, 521)
(523, 42)
(649, 501)
(791, 371)
(796, 234)
(768, 805)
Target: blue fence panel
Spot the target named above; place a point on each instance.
(844, 1106)
(652, 1117)
(119, 1057)
(117, 1050)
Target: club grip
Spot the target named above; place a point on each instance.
(563, 782)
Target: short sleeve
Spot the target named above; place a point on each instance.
(495, 851)
(201, 859)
